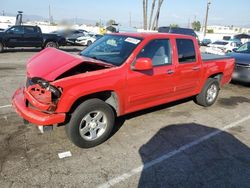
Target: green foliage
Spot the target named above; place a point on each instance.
(196, 25)
(173, 25)
(111, 22)
(210, 31)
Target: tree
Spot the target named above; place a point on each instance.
(151, 14)
(154, 18)
(196, 25)
(173, 25)
(157, 15)
(97, 24)
(145, 14)
(111, 22)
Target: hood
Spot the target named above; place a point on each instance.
(241, 58)
(51, 63)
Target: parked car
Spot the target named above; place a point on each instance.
(87, 39)
(106, 80)
(28, 36)
(242, 66)
(221, 47)
(205, 42)
(71, 35)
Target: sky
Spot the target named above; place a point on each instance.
(181, 12)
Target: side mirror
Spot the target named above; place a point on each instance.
(234, 49)
(143, 64)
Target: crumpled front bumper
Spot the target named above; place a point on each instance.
(19, 102)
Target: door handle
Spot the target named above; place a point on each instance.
(196, 68)
(170, 71)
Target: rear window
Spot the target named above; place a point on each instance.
(186, 50)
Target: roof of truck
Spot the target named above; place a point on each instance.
(152, 34)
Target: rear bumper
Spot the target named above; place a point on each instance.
(32, 115)
(242, 75)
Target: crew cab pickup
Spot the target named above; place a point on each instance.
(28, 36)
(117, 75)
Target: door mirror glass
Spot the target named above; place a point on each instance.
(143, 64)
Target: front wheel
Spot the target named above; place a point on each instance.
(209, 93)
(91, 123)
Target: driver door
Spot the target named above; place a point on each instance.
(14, 37)
(151, 87)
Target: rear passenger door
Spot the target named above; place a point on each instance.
(188, 67)
(32, 37)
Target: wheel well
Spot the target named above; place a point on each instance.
(217, 76)
(109, 97)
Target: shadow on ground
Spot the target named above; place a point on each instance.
(120, 120)
(233, 101)
(221, 161)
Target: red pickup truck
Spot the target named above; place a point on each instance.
(117, 75)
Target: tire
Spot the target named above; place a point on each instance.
(89, 43)
(1, 47)
(51, 44)
(92, 116)
(209, 93)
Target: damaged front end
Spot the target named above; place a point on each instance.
(36, 103)
(41, 94)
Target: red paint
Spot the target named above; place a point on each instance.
(135, 89)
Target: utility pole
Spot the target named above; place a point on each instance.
(50, 16)
(130, 19)
(205, 27)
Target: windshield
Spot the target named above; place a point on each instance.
(113, 49)
(245, 48)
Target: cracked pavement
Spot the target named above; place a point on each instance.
(29, 158)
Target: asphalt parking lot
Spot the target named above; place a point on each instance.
(175, 145)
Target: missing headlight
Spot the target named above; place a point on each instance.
(56, 93)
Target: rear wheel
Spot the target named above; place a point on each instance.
(209, 93)
(1, 47)
(51, 44)
(91, 123)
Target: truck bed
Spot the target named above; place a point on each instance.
(209, 57)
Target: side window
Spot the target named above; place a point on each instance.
(30, 30)
(16, 30)
(158, 50)
(186, 50)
